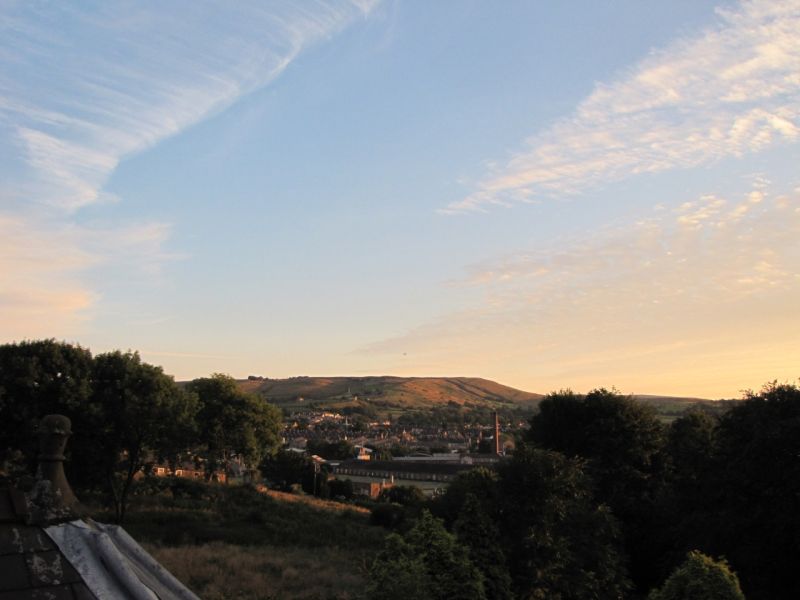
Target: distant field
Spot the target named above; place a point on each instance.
(669, 408)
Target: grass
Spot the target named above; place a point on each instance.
(385, 392)
(318, 503)
(235, 542)
(220, 571)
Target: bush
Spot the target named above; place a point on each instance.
(390, 516)
(700, 578)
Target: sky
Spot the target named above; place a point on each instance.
(551, 195)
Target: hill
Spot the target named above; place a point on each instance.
(388, 393)
(669, 408)
(234, 542)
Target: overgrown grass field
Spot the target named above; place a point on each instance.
(235, 542)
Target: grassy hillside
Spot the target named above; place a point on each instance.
(234, 542)
(387, 393)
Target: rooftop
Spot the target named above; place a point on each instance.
(47, 552)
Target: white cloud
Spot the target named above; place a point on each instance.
(731, 91)
(44, 268)
(82, 88)
(640, 304)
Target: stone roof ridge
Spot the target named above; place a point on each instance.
(48, 551)
(113, 565)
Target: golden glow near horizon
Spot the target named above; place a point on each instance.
(548, 195)
(701, 300)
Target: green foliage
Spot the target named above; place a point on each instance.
(390, 516)
(690, 445)
(751, 505)
(233, 422)
(123, 411)
(340, 450)
(38, 378)
(622, 442)
(480, 483)
(398, 573)
(285, 468)
(621, 439)
(481, 536)
(340, 489)
(186, 512)
(137, 411)
(700, 578)
(407, 495)
(560, 542)
(428, 562)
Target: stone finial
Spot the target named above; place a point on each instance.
(52, 498)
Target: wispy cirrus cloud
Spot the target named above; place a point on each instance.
(82, 87)
(734, 89)
(661, 303)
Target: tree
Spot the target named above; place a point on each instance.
(752, 502)
(285, 468)
(475, 530)
(700, 578)
(560, 542)
(690, 446)
(39, 378)
(341, 488)
(232, 422)
(398, 573)
(622, 442)
(137, 411)
(621, 439)
(407, 495)
(341, 450)
(428, 562)
(690, 450)
(480, 483)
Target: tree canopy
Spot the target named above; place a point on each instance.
(560, 542)
(39, 378)
(138, 414)
(428, 562)
(752, 501)
(233, 422)
(700, 577)
(622, 444)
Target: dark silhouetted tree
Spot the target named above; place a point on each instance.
(428, 562)
(480, 482)
(622, 442)
(39, 378)
(481, 536)
(752, 505)
(559, 542)
(138, 412)
(285, 468)
(700, 578)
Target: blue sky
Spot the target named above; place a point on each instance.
(571, 194)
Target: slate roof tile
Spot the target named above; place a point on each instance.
(50, 568)
(13, 572)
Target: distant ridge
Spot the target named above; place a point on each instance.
(407, 393)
